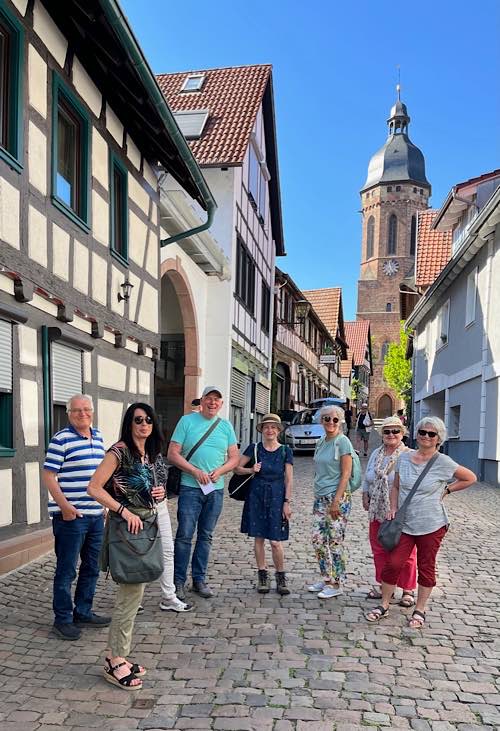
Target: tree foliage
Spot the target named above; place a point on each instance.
(397, 369)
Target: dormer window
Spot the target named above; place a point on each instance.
(194, 82)
(192, 124)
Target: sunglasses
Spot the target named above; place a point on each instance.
(391, 431)
(140, 419)
(425, 433)
(330, 418)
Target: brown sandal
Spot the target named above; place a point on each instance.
(407, 600)
(126, 682)
(418, 620)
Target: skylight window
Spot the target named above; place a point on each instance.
(191, 124)
(193, 83)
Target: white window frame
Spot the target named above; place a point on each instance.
(199, 78)
(443, 326)
(184, 114)
(471, 297)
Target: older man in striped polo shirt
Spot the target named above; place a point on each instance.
(73, 455)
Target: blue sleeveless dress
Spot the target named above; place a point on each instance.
(263, 510)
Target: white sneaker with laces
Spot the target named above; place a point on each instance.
(330, 591)
(175, 605)
(318, 586)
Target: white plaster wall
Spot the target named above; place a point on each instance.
(494, 305)
(99, 278)
(32, 493)
(37, 152)
(144, 383)
(28, 351)
(117, 278)
(100, 218)
(114, 126)
(44, 305)
(87, 367)
(37, 236)
(21, 5)
(86, 88)
(222, 183)
(138, 234)
(6, 284)
(111, 374)
(80, 267)
(152, 254)
(29, 411)
(148, 308)
(60, 252)
(6, 497)
(132, 379)
(9, 214)
(109, 420)
(47, 30)
(100, 158)
(37, 81)
(218, 337)
(133, 153)
(138, 195)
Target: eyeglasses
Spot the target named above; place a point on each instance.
(330, 418)
(425, 433)
(140, 419)
(81, 411)
(391, 431)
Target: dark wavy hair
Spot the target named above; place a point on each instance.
(154, 442)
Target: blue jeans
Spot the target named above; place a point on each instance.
(82, 538)
(195, 511)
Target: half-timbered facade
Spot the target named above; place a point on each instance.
(227, 115)
(82, 123)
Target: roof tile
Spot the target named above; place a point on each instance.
(356, 334)
(326, 303)
(233, 96)
(433, 249)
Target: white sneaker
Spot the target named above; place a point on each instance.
(330, 591)
(175, 605)
(318, 586)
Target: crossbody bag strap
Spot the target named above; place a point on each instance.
(200, 441)
(419, 480)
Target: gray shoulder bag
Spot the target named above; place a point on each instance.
(390, 531)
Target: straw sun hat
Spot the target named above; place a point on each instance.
(270, 419)
(392, 421)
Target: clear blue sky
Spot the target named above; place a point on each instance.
(334, 83)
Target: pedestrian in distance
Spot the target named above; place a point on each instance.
(377, 484)
(202, 486)
(404, 420)
(364, 424)
(426, 521)
(73, 455)
(348, 420)
(332, 503)
(126, 483)
(195, 405)
(267, 509)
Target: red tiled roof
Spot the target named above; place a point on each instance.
(233, 96)
(356, 334)
(326, 303)
(477, 180)
(345, 368)
(433, 249)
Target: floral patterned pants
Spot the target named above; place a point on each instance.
(328, 538)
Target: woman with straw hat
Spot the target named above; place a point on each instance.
(377, 484)
(267, 508)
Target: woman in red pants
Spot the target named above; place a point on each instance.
(426, 520)
(377, 484)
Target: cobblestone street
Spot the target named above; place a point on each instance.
(245, 661)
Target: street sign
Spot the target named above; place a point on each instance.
(327, 359)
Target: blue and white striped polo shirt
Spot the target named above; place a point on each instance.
(74, 459)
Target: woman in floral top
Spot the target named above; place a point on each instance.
(377, 484)
(126, 482)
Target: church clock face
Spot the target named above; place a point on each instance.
(390, 267)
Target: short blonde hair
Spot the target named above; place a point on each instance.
(332, 409)
(435, 422)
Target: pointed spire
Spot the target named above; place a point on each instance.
(398, 118)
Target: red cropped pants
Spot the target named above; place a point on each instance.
(427, 547)
(408, 576)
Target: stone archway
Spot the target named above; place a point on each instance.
(173, 269)
(385, 406)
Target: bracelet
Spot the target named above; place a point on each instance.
(447, 490)
(120, 509)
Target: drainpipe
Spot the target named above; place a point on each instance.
(119, 24)
(47, 421)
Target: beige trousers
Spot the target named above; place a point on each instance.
(128, 600)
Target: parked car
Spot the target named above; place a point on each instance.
(327, 401)
(304, 431)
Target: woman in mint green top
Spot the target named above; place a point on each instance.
(332, 503)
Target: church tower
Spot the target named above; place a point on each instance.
(395, 190)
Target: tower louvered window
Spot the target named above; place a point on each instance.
(370, 236)
(392, 235)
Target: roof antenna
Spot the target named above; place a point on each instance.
(398, 85)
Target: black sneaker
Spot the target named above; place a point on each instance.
(93, 620)
(67, 631)
(202, 589)
(180, 592)
(263, 581)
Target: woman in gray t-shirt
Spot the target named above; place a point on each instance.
(426, 520)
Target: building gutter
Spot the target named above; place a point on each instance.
(122, 29)
(472, 243)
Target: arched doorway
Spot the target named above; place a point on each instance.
(282, 373)
(384, 407)
(177, 370)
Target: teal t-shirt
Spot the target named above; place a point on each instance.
(212, 453)
(327, 464)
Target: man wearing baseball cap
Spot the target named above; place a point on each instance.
(202, 485)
